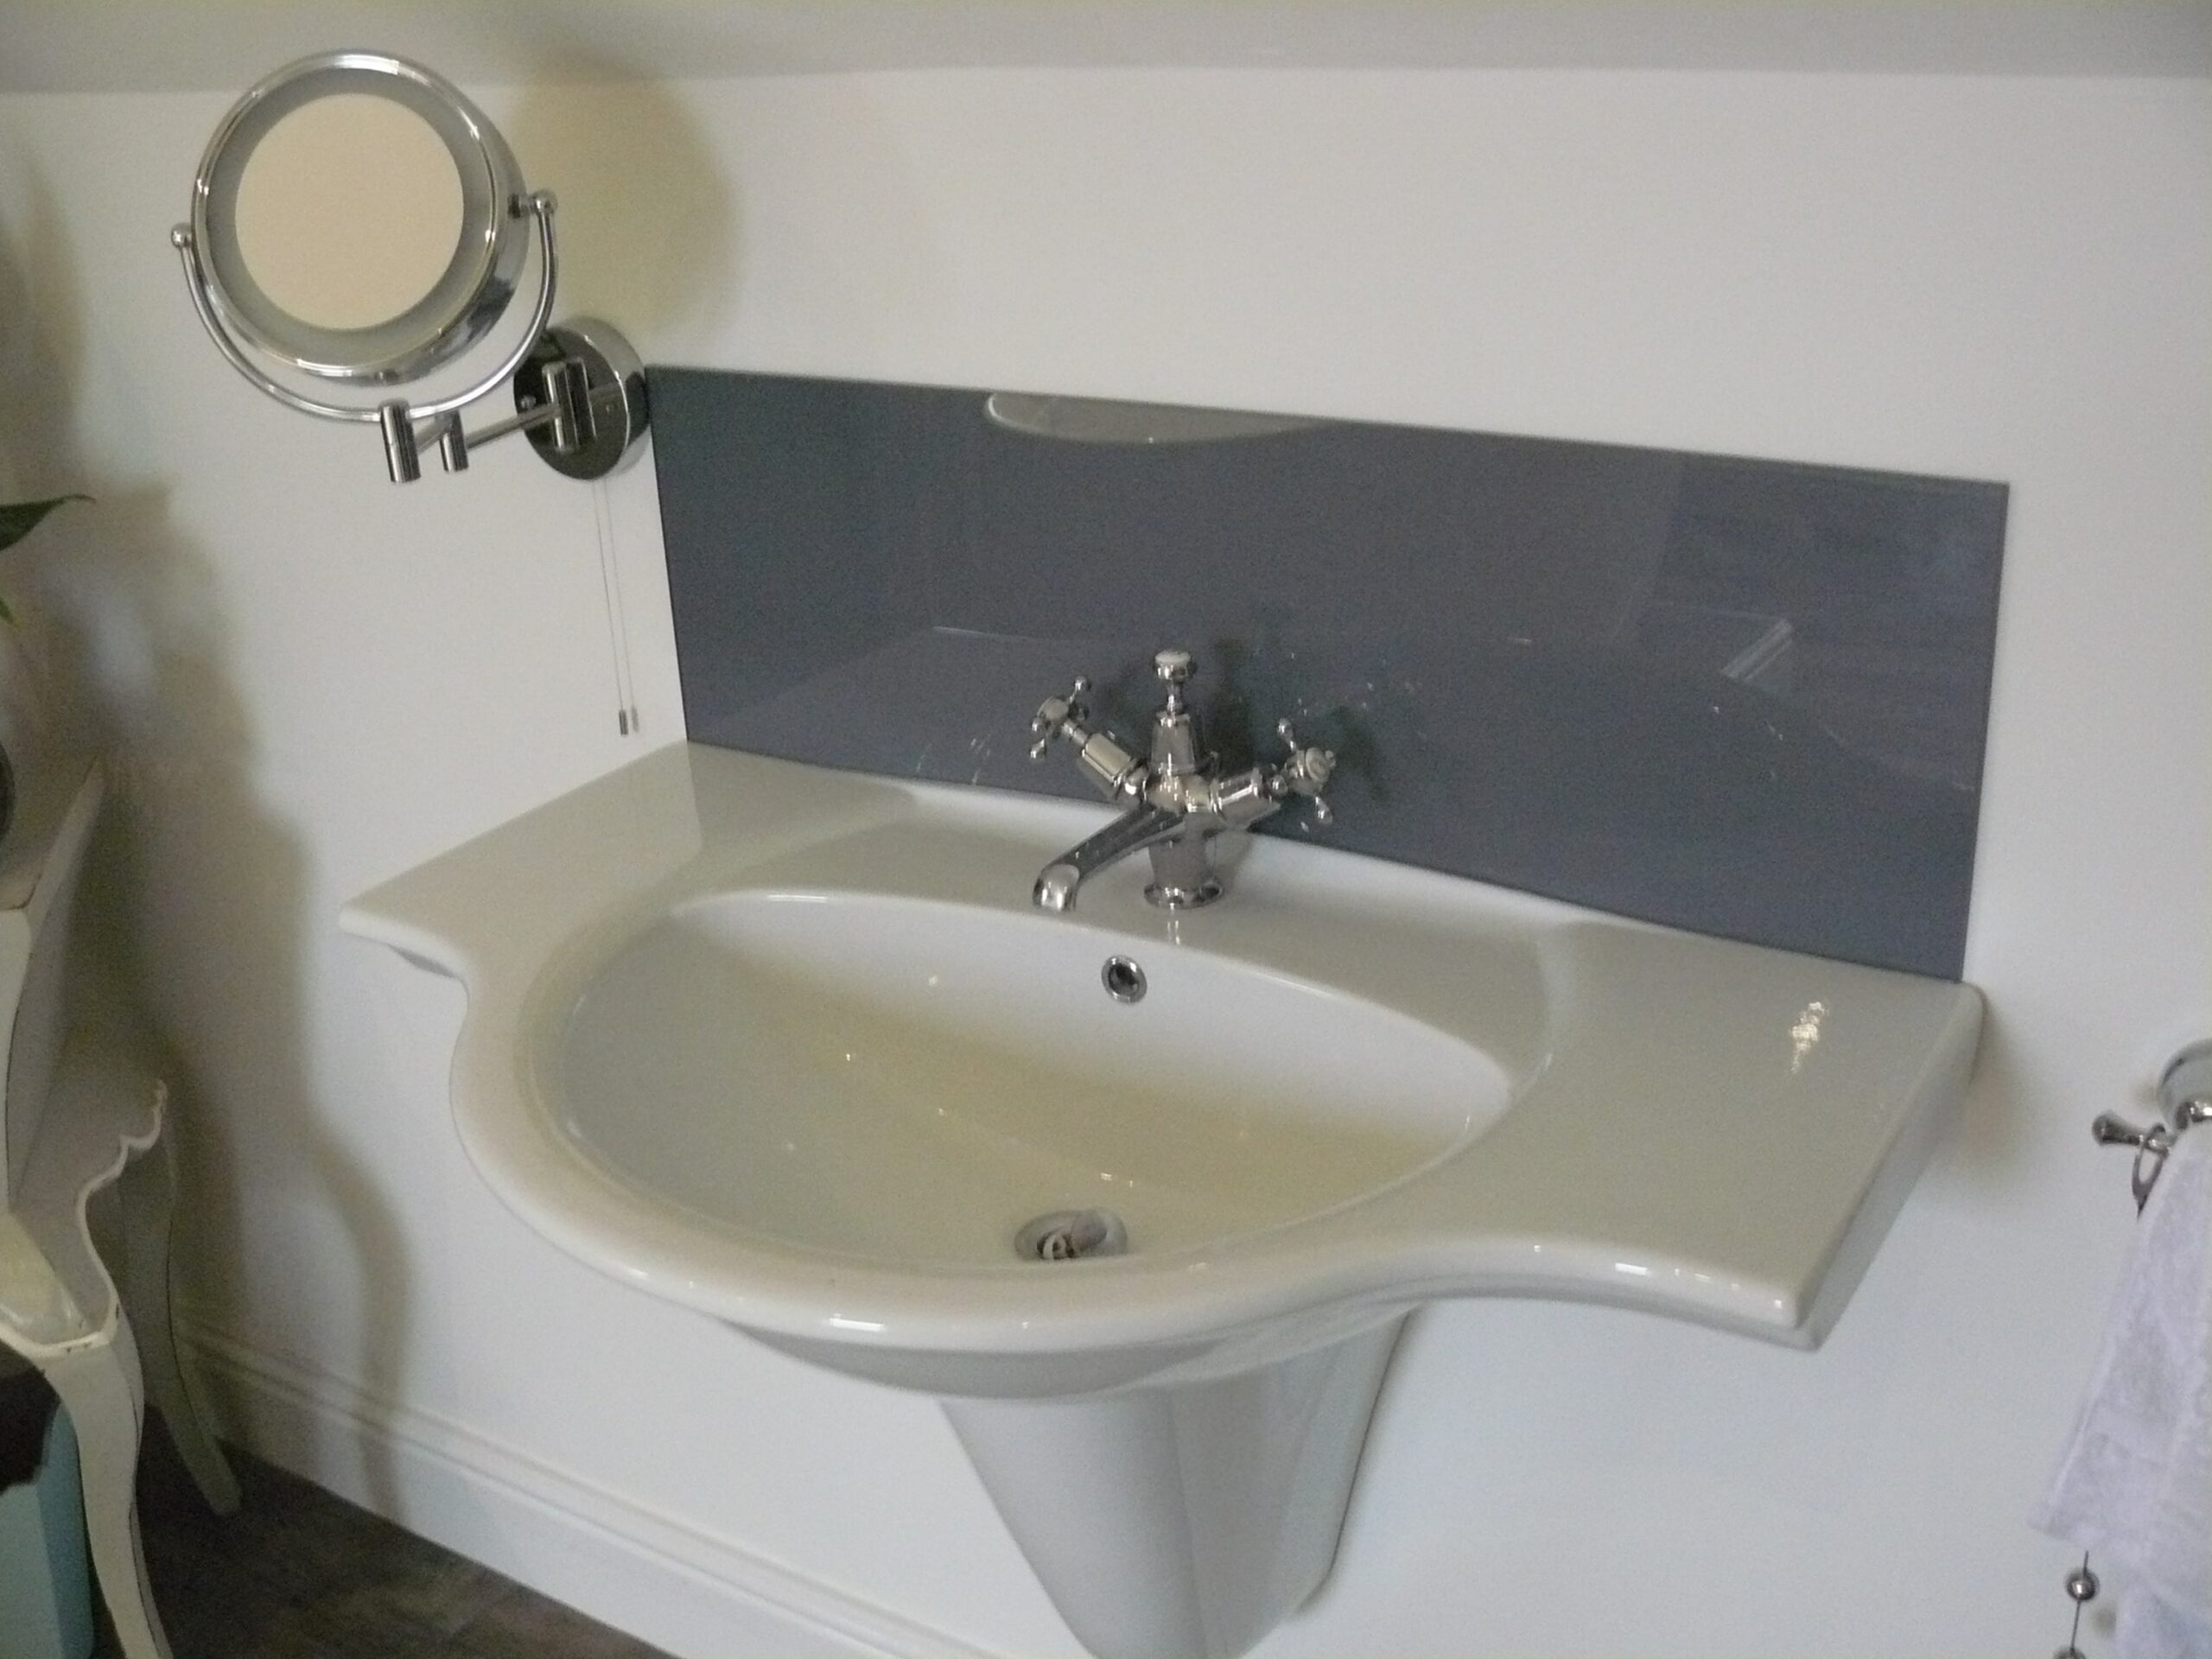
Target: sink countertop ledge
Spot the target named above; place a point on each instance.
(1712, 1130)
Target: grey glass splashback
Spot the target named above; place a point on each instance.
(1746, 697)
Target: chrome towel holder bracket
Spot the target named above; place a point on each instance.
(2184, 1100)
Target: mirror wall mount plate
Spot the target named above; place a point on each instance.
(357, 222)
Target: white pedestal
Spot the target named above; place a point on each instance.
(1182, 1521)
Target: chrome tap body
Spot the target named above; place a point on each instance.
(1178, 802)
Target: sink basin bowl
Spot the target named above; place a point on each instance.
(790, 1047)
(906, 1082)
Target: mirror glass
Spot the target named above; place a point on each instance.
(349, 211)
(356, 218)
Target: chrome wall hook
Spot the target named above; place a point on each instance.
(2152, 1143)
(2184, 1100)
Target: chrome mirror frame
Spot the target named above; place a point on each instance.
(579, 389)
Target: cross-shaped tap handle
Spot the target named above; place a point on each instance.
(1306, 773)
(1055, 715)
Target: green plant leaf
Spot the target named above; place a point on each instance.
(19, 518)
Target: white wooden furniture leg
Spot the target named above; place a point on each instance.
(148, 1195)
(74, 1111)
(98, 1387)
(59, 1308)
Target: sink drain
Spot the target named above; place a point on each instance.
(1070, 1235)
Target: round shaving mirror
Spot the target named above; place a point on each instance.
(357, 222)
(356, 217)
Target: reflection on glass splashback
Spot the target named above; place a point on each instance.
(1746, 697)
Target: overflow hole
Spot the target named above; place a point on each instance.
(1124, 980)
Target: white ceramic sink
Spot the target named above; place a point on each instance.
(792, 1048)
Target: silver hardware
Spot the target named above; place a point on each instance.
(1071, 1236)
(2184, 1100)
(1306, 771)
(2152, 1144)
(1124, 980)
(2112, 1130)
(1178, 803)
(598, 386)
(2081, 1590)
(2185, 1087)
(1141, 828)
(1056, 713)
(453, 444)
(595, 410)
(1112, 769)
(399, 453)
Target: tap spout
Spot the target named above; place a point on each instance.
(1140, 827)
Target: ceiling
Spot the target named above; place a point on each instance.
(181, 45)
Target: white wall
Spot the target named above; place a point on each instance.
(314, 680)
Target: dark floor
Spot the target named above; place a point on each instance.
(299, 1575)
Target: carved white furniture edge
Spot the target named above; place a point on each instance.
(80, 1113)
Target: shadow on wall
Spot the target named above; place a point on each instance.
(122, 620)
(1988, 1146)
(645, 214)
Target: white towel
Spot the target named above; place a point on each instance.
(2135, 1485)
